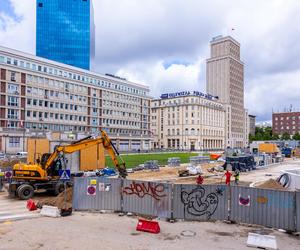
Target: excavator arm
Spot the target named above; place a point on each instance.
(86, 143)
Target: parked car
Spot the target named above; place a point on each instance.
(3, 156)
(21, 155)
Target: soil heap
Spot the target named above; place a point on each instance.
(271, 184)
(58, 201)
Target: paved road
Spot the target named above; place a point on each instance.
(14, 209)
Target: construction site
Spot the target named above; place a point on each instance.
(180, 198)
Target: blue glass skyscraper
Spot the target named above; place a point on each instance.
(65, 31)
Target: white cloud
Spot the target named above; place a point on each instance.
(19, 33)
(161, 79)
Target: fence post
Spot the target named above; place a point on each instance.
(295, 211)
(121, 195)
(172, 203)
(229, 203)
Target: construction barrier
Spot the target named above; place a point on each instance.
(271, 208)
(200, 202)
(97, 193)
(266, 207)
(149, 197)
(297, 211)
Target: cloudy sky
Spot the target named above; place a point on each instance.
(164, 43)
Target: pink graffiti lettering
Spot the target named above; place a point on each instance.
(142, 189)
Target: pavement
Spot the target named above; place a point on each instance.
(109, 231)
(12, 209)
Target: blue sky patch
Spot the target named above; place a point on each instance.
(168, 64)
(7, 8)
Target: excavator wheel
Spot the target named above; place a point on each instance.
(25, 192)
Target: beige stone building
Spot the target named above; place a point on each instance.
(188, 120)
(252, 121)
(40, 95)
(225, 79)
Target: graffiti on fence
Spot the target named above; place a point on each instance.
(198, 204)
(156, 191)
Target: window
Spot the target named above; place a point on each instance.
(12, 114)
(12, 124)
(13, 101)
(13, 88)
(14, 142)
(40, 4)
(13, 76)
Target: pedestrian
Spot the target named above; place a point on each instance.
(236, 177)
(293, 153)
(227, 175)
(199, 179)
(1, 180)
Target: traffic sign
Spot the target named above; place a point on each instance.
(91, 190)
(64, 174)
(8, 174)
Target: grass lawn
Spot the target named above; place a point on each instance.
(133, 160)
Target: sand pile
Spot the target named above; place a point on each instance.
(271, 184)
(58, 201)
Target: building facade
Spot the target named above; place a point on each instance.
(286, 122)
(225, 79)
(187, 120)
(39, 95)
(65, 31)
(252, 124)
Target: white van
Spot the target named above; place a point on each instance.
(21, 155)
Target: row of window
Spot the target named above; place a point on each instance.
(192, 131)
(65, 74)
(287, 118)
(63, 117)
(57, 105)
(55, 94)
(191, 100)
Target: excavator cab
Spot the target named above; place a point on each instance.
(44, 159)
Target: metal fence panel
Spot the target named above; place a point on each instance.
(201, 202)
(107, 195)
(270, 208)
(148, 198)
(297, 211)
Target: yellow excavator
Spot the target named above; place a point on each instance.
(27, 178)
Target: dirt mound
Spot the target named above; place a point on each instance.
(271, 184)
(58, 201)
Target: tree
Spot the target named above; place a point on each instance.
(285, 136)
(296, 136)
(275, 137)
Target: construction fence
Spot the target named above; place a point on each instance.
(270, 208)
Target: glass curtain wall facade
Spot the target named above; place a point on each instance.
(65, 31)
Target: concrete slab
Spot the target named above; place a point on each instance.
(261, 241)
